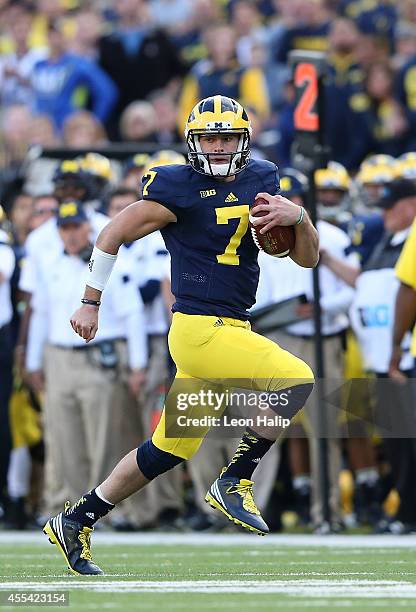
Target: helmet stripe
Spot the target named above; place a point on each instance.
(217, 105)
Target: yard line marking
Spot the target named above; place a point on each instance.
(366, 542)
(364, 589)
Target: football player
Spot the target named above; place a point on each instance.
(202, 211)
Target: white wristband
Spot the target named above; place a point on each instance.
(99, 268)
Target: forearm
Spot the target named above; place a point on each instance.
(343, 270)
(405, 313)
(306, 251)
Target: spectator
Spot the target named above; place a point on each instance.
(39, 170)
(287, 11)
(89, 27)
(16, 67)
(382, 115)
(57, 79)
(343, 40)
(15, 122)
(344, 80)
(83, 129)
(336, 297)
(133, 172)
(42, 245)
(248, 28)
(47, 11)
(370, 49)
(405, 48)
(188, 38)
(406, 91)
(312, 34)
(7, 263)
(171, 15)
(145, 261)
(138, 58)
(220, 74)
(167, 118)
(286, 126)
(20, 215)
(376, 18)
(81, 381)
(372, 315)
(45, 207)
(41, 132)
(138, 122)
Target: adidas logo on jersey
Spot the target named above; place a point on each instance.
(231, 198)
(91, 515)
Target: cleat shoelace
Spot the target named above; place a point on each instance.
(85, 539)
(245, 489)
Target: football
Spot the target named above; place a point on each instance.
(278, 241)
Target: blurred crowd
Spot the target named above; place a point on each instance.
(81, 76)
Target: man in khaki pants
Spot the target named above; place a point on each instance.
(283, 279)
(147, 260)
(82, 382)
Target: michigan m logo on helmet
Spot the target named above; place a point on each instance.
(218, 115)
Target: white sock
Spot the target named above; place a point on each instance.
(101, 496)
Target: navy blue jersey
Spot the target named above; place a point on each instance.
(365, 232)
(214, 258)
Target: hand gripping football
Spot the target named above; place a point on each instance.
(277, 241)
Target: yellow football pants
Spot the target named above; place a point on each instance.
(210, 349)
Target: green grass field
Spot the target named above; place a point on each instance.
(221, 572)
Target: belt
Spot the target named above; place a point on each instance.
(85, 347)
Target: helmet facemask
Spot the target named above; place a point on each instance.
(201, 162)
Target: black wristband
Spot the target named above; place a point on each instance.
(90, 302)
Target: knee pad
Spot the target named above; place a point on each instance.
(152, 461)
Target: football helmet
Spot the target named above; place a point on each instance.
(136, 162)
(374, 173)
(97, 165)
(68, 168)
(99, 173)
(333, 183)
(166, 157)
(70, 181)
(218, 115)
(406, 166)
(292, 183)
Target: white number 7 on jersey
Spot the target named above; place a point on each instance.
(224, 214)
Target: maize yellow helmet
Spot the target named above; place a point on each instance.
(218, 115)
(166, 157)
(334, 176)
(333, 184)
(97, 165)
(406, 166)
(377, 170)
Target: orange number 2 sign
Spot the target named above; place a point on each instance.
(306, 116)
